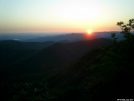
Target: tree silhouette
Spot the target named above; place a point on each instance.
(125, 47)
(126, 28)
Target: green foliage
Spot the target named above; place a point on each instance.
(27, 92)
(113, 35)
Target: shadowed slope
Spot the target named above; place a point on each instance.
(52, 57)
(12, 51)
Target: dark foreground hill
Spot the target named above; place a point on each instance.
(101, 74)
(52, 57)
(12, 44)
(12, 51)
(95, 76)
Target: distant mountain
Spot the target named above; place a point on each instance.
(69, 37)
(108, 35)
(24, 36)
(56, 37)
(76, 37)
(52, 57)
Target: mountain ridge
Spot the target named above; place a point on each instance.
(54, 56)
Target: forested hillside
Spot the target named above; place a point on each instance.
(12, 51)
(51, 57)
(104, 73)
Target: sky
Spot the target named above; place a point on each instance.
(56, 16)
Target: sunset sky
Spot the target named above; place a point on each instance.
(63, 15)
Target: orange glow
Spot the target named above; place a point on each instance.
(89, 31)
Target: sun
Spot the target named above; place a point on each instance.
(89, 31)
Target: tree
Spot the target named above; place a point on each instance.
(126, 28)
(125, 47)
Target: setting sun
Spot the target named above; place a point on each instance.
(89, 31)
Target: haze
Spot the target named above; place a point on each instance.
(63, 15)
